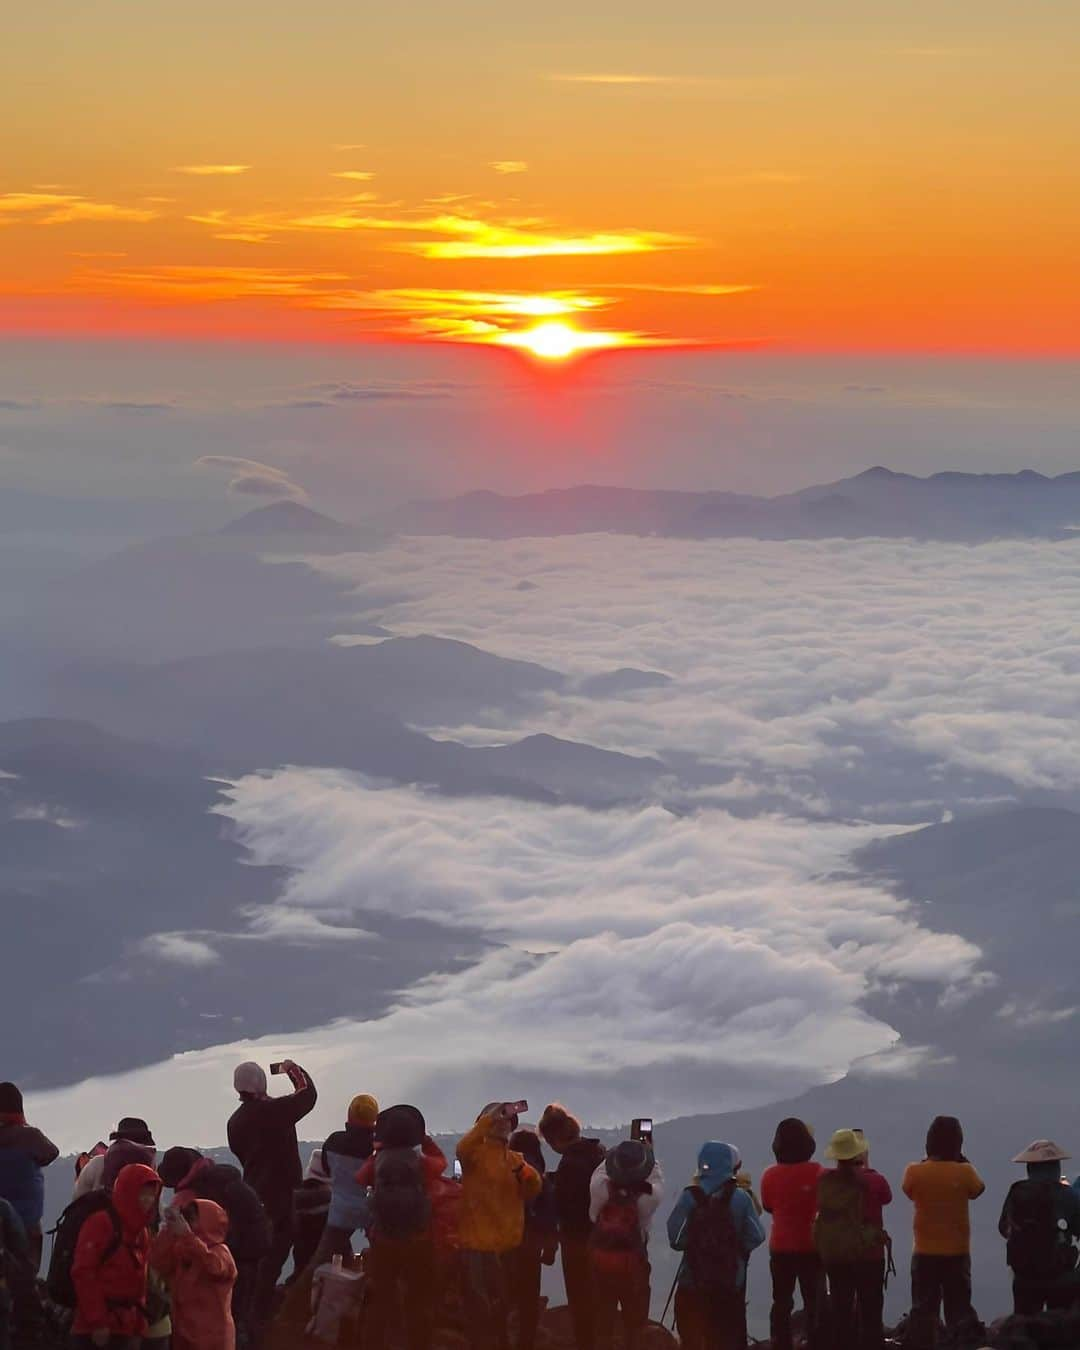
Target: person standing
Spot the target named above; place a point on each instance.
(131, 1142)
(1040, 1222)
(941, 1188)
(540, 1243)
(24, 1152)
(625, 1192)
(190, 1252)
(16, 1271)
(716, 1227)
(262, 1135)
(789, 1194)
(579, 1158)
(496, 1185)
(109, 1270)
(849, 1236)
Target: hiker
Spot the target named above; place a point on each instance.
(16, 1271)
(789, 1194)
(1039, 1222)
(496, 1185)
(262, 1135)
(340, 1157)
(540, 1243)
(109, 1269)
(191, 1253)
(193, 1177)
(401, 1172)
(131, 1142)
(579, 1158)
(24, 1151)
(849, 1236)
(941, 1188)
(624, 1194)
(716, 1227)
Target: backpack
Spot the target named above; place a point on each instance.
(841, 1233)
(1034, 1246)
(65, 1235)
(712, 1245)
(616, 1243)
(338, 1301)
(400, 1202)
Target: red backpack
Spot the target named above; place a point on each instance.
(616, 1243)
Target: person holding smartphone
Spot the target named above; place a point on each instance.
(262, 1135)
(496, 1185)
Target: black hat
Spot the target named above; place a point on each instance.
(400, 1127)
(11, 1102)
(793, 1141)
(175, 1164)
(630, 1162)
(134, 1130)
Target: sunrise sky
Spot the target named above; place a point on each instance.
(843, 176)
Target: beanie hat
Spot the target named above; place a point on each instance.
(11, 1102)
(249, 1079)
(175, 1164)
(400, 1127)
(945, 1139)
(363, 1110)
(793, 1141)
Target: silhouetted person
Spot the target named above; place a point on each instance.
(24, 1151)
(579, 1158)
(789, 1194)
(625, 1192)
(1040, 1222)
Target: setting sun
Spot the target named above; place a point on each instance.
(555, 340)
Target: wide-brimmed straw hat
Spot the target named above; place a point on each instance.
(1041, 1150)
(846, 1146)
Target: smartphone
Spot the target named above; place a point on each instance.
(457, 1169)
(641, 1129)
(516, 1108)
(277, 1068)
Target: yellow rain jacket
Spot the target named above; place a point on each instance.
(496, 1185)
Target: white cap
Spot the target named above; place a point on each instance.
(249, 1078)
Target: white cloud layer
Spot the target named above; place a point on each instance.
(688, 963)
(784, 656)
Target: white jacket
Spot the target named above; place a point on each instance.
(647, 1205)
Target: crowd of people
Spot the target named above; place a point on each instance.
(477, 1232)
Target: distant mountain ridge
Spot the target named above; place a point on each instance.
(949, 506)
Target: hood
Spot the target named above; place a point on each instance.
(125, 1194)
(361, 1137)
(717, 1163)
(793, 1141)
(212, 1224)
(1044, 1171)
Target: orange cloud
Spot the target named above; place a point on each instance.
(52, 208)
(213, 170)
(473, 238)
(357, 175)
(508, 165)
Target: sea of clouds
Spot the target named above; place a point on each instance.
(719, 960)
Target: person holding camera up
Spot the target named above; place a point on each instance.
(262, 1135)
(496, 1185)
(190, 1252)
(625, 1191)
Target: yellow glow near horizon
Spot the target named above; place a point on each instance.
(556, 341)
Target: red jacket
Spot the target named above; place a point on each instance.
(201, 1272)
(110, 1278)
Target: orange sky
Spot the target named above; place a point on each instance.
(689, 172)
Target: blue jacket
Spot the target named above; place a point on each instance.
(717, 1164)
(24, 1151)
(343, 1153)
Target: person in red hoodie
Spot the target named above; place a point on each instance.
(789, 1194)
(111, 1257)
(191, 1254)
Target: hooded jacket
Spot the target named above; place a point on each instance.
(717, 1165)
(573, 1177)
(789, 1188)
(110, 1277)
(496, 1185)
(1066, 1206)
(24, 1151)
(249, 1228)
(342, 1155)
(262, 1134)
(201, 1273)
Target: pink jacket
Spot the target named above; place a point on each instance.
(200, 1272)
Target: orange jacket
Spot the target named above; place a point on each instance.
(109, 1275)
(496, 1185)
(201, 1272)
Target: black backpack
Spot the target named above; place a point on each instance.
(400, 1203)
(711, 1246)
(1035, 1248)
(65, 1236)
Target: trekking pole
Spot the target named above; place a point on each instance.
(671, 1294)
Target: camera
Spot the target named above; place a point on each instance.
(642, 1129)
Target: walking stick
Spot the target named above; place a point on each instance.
(671, 1294)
